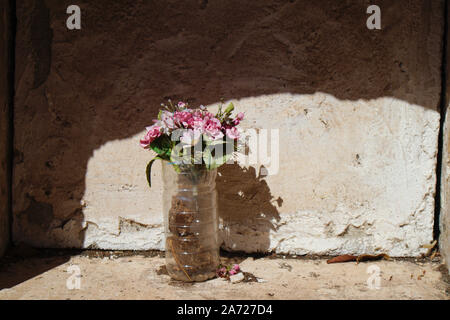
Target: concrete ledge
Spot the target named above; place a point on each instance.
(139, 277)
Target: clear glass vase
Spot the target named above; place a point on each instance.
(191, 222)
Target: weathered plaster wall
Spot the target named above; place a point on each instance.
(357, 112)
(4, 125)
(444, 223)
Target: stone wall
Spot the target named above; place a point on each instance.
(444, 223)
(5, 33)
(357, 112)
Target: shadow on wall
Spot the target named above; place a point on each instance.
(247, 208)
(77, 90)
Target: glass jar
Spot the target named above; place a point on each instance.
(191, 222)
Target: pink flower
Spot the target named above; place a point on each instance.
(238, 119)
(167, 120)
(197, 123)
(233, 133)
(183, 118)
(153, 132)
(236, 267)
(212, 128)
(207, 114)
(233, 272)
(222, 272)
(197, 113)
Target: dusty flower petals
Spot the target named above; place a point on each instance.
(183, 119)
(233, 133)
(153, 132)
(201, 125)
(167, 120)
(225, 272)
(221, 272)
(213, 128)
(200, 120)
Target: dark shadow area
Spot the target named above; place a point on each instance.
(7, 33)
(22, 263)
(76, 90)
(443, 104)
(247, 209)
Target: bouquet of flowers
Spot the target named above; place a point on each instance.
(194, 142)
(192, 138)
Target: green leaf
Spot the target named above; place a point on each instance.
(219, 112)
(162, 146)
(230, 108)
(148, 170)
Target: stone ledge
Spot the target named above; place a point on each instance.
(110, 276)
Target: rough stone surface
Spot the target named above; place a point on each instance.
(140, 277)
(444, 223)
(357, 113)
(348, 186)
(4, 124)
